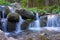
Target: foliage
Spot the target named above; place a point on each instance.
(39, 5)
(37, 10)
(23, 3)
(4, 2)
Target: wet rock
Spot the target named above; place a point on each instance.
(29, 39)
(25, 24)
(11, 26)
(42, 37)
(11, 38)
(0, 14)
(13, 17)
(2, 36)
(43, 21)
(7, 11)
(56, 37)
(25, 14)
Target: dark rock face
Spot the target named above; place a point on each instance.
(6, 11)
(43, 21)
(13, 17)
(0, 14)
(25, 14)
(25, 24)
(11, 26)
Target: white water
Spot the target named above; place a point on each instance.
(18, 25)
(4, 22)
(51, 21)
(53, 28)
(35, 25)
(12, 9)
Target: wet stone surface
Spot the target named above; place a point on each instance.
(36, 35)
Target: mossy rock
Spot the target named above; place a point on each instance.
(13, 17)
(30, 20)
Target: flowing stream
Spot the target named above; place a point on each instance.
(35, 25)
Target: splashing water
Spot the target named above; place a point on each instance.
(18, 25)
(35, 25)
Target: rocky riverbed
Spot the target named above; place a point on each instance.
(32, 35)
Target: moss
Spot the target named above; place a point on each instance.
(13, 14)
(13, 17)
(29, 20)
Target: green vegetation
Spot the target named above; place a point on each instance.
(3, 2)
(36, 5)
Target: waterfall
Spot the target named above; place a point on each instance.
(4, 22)
(35, 25)
(51, 21)
(18, 25)
(12, 9)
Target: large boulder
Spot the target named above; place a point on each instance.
(25, 14)
(13, 17)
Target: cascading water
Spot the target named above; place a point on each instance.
(3, 21)
(35, 25)
(18, 25)
(12, 9)
(52, 23)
